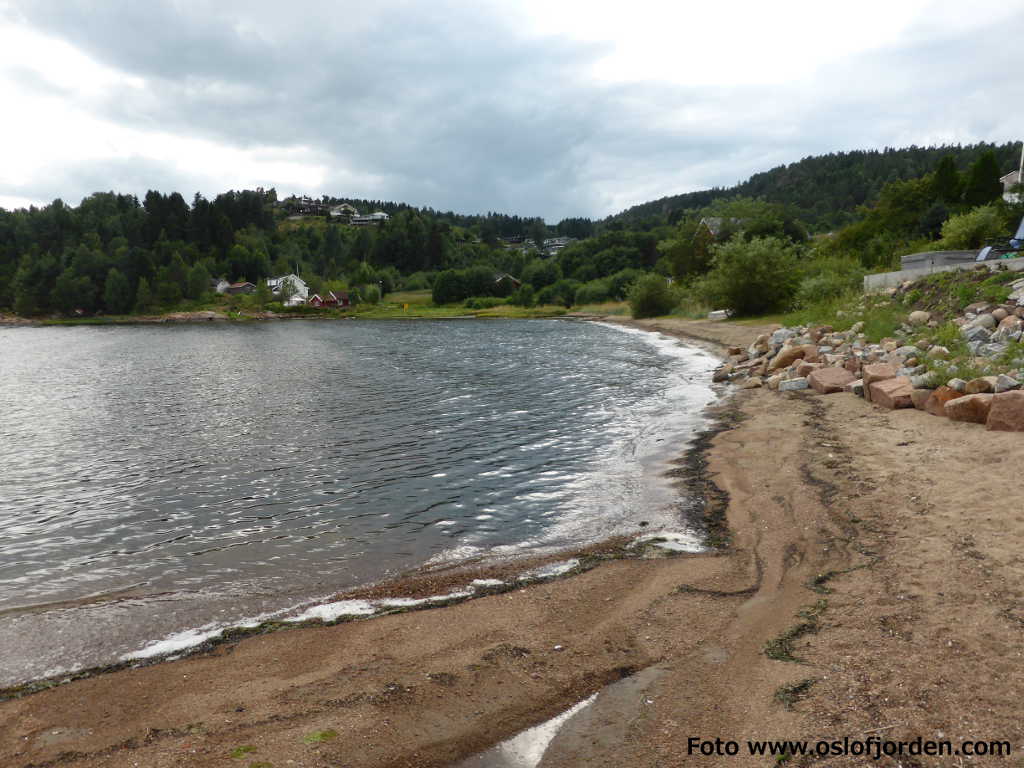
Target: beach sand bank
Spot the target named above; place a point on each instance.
(875, 553)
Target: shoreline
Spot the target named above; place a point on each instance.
(864, 588)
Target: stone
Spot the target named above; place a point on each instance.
(1007, 412)
(803, 368)
(919, 397)
(908, 351)
(722, 373)
(974, 333)
(969, 408)
(782, 335)
(919, 317)
(825, 381)
(1006, 383)
(892, 393)
(928, 380)
(810, 353)
(999, 314)
(876, 372)
(939, 397)
(852, 364)
(786, 357)
(986, 321)
(980, 385)
(857, 327)
(790, 385)
(752, 383)
(856, 387)
(772, 382)
(817, 333)
(977, 307)
(1011, 322)
(938, 352)
(994, 350)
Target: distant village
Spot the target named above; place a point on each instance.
(290, 289)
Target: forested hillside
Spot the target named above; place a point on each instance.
(824, 191)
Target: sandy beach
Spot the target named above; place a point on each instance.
(874, 554)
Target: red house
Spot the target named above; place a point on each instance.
(316, 300)
(338, 299)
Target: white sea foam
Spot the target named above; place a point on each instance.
(550, 570)
(333, 611)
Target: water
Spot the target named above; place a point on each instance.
(160, 478)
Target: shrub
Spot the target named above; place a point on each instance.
(523, 296)
(620, 283)
(828, 279)
(972, 229)
(449, 287)
(593, 292)
(752, 277)
(562, 292)
(483, 302)
(651, 296)
(418, 281)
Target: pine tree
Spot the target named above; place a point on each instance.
(983, 185)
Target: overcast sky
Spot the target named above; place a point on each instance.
(535, 107)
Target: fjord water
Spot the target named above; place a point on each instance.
(157, 478)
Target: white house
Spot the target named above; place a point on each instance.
(1009, 181)
(299, 290)
(378, 217)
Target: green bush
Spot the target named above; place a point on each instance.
(972, 229)
(562, 292)
(828, 279)
(449, 287)
(593, 292)
(483, 302)
(620, 283)
(752, 277)
(523, 296)
(418, 281)
(652, 296)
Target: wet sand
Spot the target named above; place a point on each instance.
(877, 551)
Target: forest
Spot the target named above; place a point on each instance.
(114, 254)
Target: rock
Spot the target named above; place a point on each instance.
(782, 335)
(892, 393)
(772, 382)
(1011, 322)
(977, 307)
(938, 352)
(928, 380)
(876, 372)
(852, 364)
(980, 385)
(856, 387)
(908, 351)
(935, 405)
(790, 385)
(811, 353)
(919, 318)
(752, 383)
(719, 314)
(919, 397)
(786, 357)
(734, 351)
(1007, 412)
(999, 314)
(825, 381)
(803, 368)
(970, 408)
(1006, 383)
(994, 350)
(974, 333)
(722, 373)
(986, 321)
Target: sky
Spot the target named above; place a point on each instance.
(536, 107)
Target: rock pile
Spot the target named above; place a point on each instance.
(895, 373)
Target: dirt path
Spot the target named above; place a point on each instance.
(896, 536)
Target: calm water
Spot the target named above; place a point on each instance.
(159, 478)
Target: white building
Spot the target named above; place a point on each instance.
(299, 289)
(378, 217)
(1009, 181)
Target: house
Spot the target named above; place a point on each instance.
(1009, 181)
(299, 289)
(236, 288)
(316, 300)
(505, 280)
(219, 284)
(714, 225)
(378, 218)
(338, 299)
(343, 212)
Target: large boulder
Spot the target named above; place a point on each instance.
(892, 393)
(1006, 383)
(786, 357)
(980, 385)
(919, 397)
(876, 372)
(971, 408)
(919, 318)
(825, 381)
(939, 397)
(804, 368)
(790, 385)
(1007, 412)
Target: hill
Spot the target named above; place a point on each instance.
(825, 190)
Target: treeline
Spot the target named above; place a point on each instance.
(823, 191)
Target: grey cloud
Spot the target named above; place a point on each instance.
(451, 106)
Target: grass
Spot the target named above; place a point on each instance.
(239, 752)
(319, 737)
(781, 647)
(789, 695)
